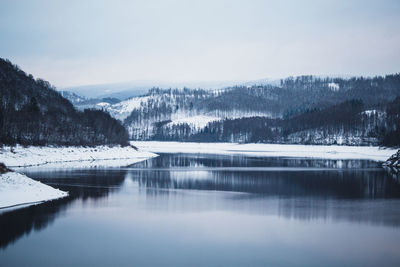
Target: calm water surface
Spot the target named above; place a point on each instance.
(208, 210)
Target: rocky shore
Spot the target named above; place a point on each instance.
(393, 161)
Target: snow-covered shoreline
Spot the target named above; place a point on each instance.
(17, 189)
(271, 150)
(20, 156)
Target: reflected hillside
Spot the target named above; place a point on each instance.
(303, 189)
(308, 178)
(81, 185)
(212, 160)
(84, 183)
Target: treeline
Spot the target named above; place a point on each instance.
(32, 112)
(325, 92)
(344, 123)
(301, 96)
(392, 129)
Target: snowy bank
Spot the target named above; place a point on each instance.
(18, 189)
(271, 150)
(83, 156)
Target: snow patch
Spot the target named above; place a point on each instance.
(123, 109)
(369, 112)
(18, 189)
(198, 121)
(103, 104)
(373, 112)
(271, 150)
(29, 156)
(333, 86)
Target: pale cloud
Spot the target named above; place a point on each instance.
(89, 42)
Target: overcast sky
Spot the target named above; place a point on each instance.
(91, 42)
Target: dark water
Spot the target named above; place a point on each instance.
(207, 210)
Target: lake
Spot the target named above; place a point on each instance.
(210, 210)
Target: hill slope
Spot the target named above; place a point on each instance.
(32, 112)
(174, 114)
(305, 109)
(300, 110)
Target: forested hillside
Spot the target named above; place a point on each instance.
(32, 112)
(305, 109)
(345, 123)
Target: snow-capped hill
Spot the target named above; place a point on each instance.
(124, 108)
(103, 104)
(265, 111)
(162, 111)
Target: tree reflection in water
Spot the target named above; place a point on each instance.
(305, 189)
(82, 185)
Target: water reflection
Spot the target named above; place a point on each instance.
(338, 190)
(323, 184)
(211, 160)
(393, 172)
(301, 189)
(16, 223)
(82, 185)
(288, 177)
(370, 212)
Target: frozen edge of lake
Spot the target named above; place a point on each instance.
(271, 150)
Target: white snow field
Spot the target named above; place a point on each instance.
(81, 156)
(197, 121)
(18, 189)
(124, 108)
(271, 150)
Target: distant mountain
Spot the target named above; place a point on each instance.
(136, 88)
(82, 103)
(188, 114)
(262, 107)
(115, 90)
(32, 112)
(125, 90)
(260, 82)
